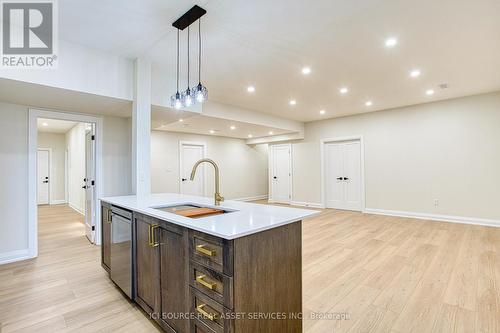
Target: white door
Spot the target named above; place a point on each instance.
(342, 169)
(42, 175)
(190, 153)
(89, 184)
(281, 173)
(334, 172)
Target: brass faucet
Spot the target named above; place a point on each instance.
(218, 198)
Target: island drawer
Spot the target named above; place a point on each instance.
(212, 283)
(213, 252)
(198, 327)
(209, 312)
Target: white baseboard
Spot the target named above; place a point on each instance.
(76, 209)
(307, 204)
(13, 256)
(435, 217)
(58, 202)
(258, 197)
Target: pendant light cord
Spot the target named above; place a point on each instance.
(199, 50)
(188, 57)
(177, 60)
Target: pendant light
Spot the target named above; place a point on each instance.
(187, 96)
(200, 91)
(175, 100)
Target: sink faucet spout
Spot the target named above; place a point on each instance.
(217, 196)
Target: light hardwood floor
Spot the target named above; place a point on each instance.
(383, 274)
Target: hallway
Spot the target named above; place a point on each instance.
(64, 289)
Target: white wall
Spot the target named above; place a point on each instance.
(243, 168)
(447, 150)
(14, 186)
(57, 143)
(83, 69)
(75, 145)
(116, 156)
(14, 168)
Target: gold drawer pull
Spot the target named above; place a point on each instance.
(202, 311)
(201, 248)
(200, 280)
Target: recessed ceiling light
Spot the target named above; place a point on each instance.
(250, 135)
(306, 70)
(212, 131)
(181, 120)
(344, 90)
(415, 73)
(232, 128)
(293, 102)
(271, 132)
(429, 92)
(369, 103)
(251, 89)
(45, 124)
(391, 42)
(322, 112)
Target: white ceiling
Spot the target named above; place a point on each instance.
(266, 43)
(54, 125)
(200, 124)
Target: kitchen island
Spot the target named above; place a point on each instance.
(238, 268)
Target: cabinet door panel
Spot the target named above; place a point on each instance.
(174, 282)
(147, 265)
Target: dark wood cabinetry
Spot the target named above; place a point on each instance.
(106, 236)
(173, 278)
(189, 281)
(147, 264)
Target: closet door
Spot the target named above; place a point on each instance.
(352, 175)
(334, 172)
(343, 175)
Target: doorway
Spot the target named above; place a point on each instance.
(62, 180)
(343, 173)
(189, 154)
(71, 178)
(280, 173)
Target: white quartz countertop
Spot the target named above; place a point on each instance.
(245, 218)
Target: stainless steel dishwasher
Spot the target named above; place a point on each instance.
(121, 249)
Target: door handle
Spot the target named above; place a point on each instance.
(152, 235)
(346, 178)
(275, 177)
(45, 181)
(84, 187)
(339, 178)
(183, 179)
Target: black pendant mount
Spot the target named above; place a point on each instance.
(189, 17)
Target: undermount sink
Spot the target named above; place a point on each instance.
(193, 211)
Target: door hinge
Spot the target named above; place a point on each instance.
(92, 137)
(93, 228)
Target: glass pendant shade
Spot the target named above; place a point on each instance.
(187, 98)
(200, 93)
(175, 101)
